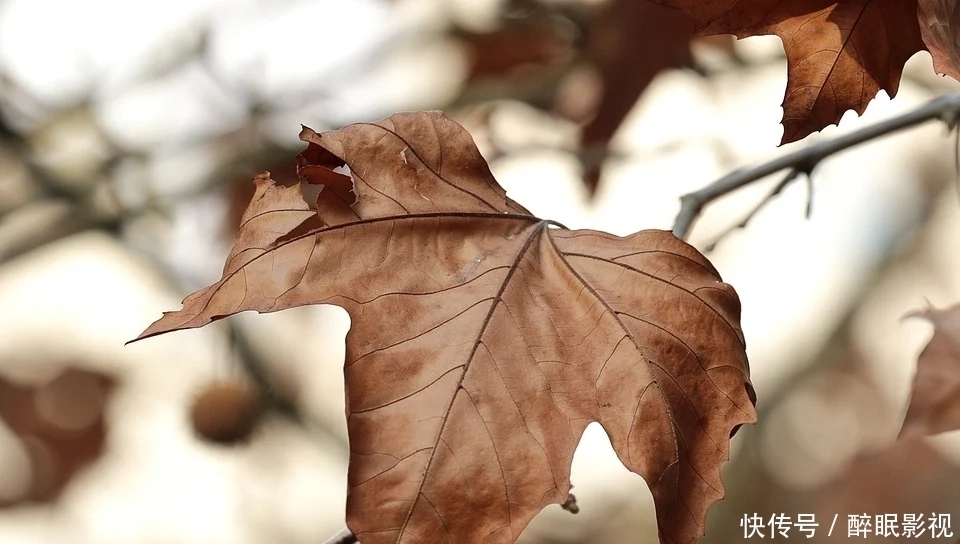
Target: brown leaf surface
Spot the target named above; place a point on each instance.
(839, 54)
(935, 400)
(484, 340)
(939, 20)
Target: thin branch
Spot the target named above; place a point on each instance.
(343, 537)
(258, 370)
(945, 108)
(787, 180)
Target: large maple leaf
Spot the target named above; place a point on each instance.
(839, 53)
(484, 339)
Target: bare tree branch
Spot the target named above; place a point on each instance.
(945, 108)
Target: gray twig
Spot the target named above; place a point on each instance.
(945, 108)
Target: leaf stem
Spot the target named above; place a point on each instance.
(945, 108)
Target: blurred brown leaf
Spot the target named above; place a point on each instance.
(909, 476)
(484, 339)
(935, 400)
(61, 424)
(940, 27)
(631, 42)
(839, 53)
(517, 43)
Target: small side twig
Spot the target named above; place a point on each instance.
(787, 180)
(809, 211)
(945, 108)
(342, 537)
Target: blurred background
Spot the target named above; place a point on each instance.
(129, 132)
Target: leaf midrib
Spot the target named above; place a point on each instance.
(514, 266)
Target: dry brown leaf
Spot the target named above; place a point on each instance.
(935, 400)
(938, 25)
(839, 53)
(484, 339)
